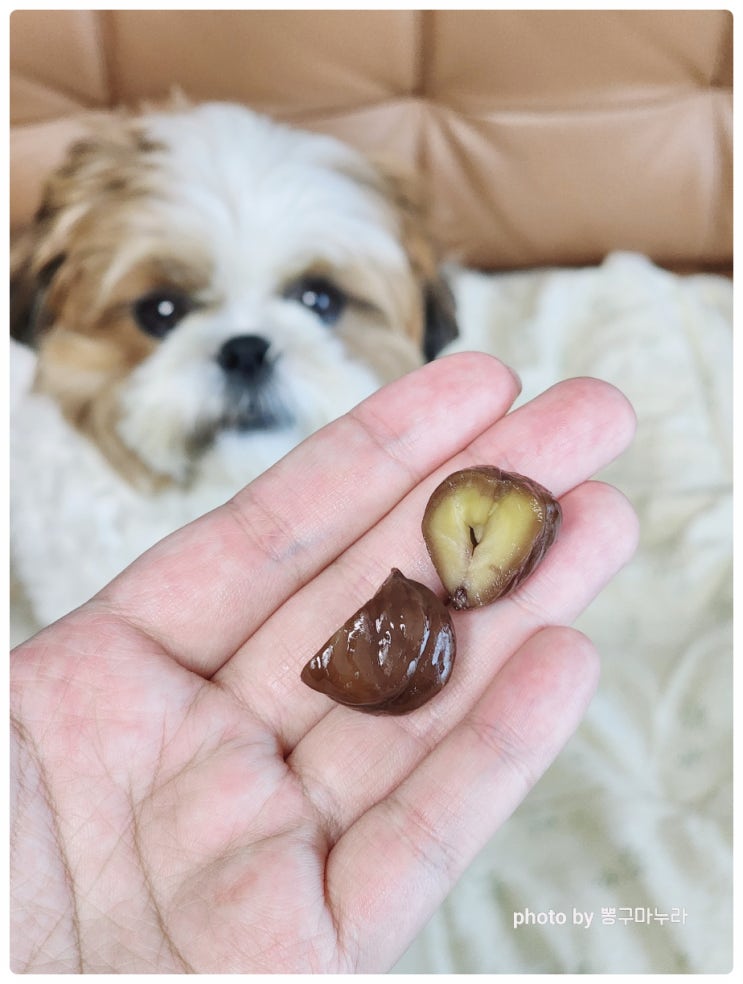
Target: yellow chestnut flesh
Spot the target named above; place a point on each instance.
(486, 531)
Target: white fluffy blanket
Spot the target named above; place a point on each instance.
(635, 818)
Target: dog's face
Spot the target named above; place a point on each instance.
(203, 275)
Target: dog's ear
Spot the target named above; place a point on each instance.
(410, 198)
(440, 318)
(29, 285)
(22, 289)
(106, 162)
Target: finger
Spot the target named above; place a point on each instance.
(348, 760)
(202, 591)
(561, 439)
(395, 865)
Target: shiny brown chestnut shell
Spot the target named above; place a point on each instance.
(392, 655)
(486, 531)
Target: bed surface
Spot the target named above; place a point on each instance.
(635, 816)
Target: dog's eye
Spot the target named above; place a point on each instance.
(159, 312)
(320, 296)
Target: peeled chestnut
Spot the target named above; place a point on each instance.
(486, 531)
(392, 655)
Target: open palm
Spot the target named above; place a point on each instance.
(184, 802)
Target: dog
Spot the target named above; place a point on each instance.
(202, 287)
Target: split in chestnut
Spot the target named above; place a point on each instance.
(392, 655)
(486, 531)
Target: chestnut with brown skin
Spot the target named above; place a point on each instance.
(392, 655)
(486, 531)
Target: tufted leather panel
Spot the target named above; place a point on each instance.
(544, 136)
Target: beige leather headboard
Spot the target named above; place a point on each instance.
(547, 136)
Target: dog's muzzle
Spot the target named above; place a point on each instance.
(252, 398)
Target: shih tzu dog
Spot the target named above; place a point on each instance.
(202, 288)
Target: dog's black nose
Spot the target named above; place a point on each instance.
(244, 356)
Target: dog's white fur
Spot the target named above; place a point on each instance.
(124, 437)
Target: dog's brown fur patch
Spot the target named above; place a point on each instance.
(87, 339)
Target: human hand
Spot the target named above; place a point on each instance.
(184, 803)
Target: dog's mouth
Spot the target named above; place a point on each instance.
(254, 407)
(257, 407)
